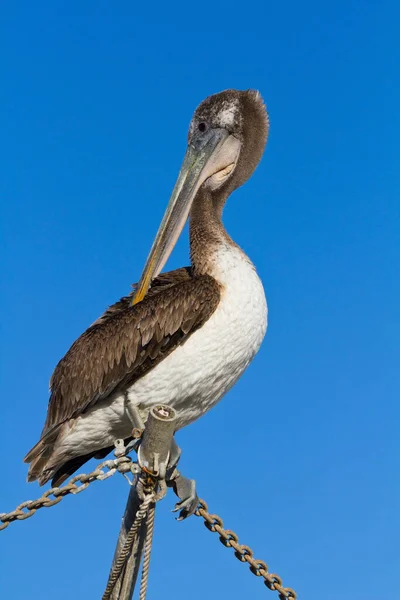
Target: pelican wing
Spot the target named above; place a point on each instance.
(128, 341)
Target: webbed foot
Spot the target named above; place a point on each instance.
(164, 468)
(185, 489)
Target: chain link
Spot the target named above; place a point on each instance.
(103, 471)
(243, 553)
(124, 465)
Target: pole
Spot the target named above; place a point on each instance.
(125, 584)
(153, 455)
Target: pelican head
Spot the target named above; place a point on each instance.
(226, 140)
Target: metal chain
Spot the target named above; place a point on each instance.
(147, 551)
(229, 539)
(29, 507)
(124, 465)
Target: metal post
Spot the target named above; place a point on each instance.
(125, 584)
(152, 455)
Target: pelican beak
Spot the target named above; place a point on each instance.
(200, 162)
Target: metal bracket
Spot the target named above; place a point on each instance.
(155, 448)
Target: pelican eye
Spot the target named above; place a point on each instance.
(202, 127)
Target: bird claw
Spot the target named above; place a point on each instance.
(185, 489)
(133, 445)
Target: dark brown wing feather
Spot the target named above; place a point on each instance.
(159, 284)
(127, 341)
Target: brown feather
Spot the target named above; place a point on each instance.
(125, 343)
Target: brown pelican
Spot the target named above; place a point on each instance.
(181, 338)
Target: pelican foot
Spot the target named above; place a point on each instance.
(169, 476)
(185, 489)
(133, 445)
(174, 456)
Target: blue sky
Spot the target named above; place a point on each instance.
(302, 457)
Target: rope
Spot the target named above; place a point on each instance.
(147, 551)
(126, 550)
